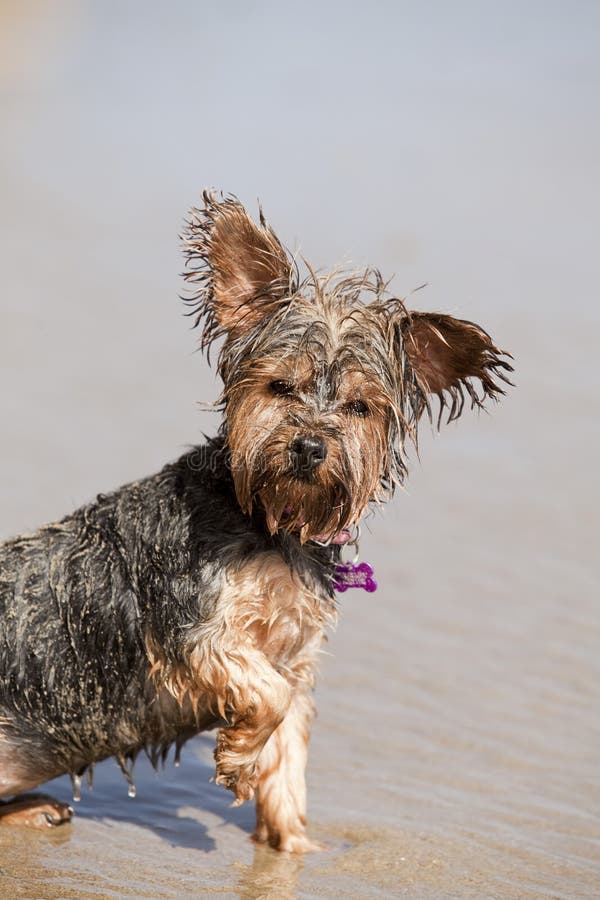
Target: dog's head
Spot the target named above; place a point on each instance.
(324, 378)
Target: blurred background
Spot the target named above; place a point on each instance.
(458, 144)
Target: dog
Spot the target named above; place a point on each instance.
(199, 597)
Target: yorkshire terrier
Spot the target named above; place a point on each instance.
(199, 597)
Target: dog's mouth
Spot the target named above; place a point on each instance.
(321, 511)
(293, 520)
(342, 537)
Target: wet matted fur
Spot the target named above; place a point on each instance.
(199, 597)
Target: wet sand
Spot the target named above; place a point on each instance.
(456, 749)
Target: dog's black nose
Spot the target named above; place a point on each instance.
(307, 453)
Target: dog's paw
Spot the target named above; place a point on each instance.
(35, 811)
(244, 787)
(241, 780)
(299, 843)
(235, 776)
(288, 842)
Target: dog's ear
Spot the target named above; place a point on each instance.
(448, 357)
(239, 271)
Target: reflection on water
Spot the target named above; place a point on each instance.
(456, 749)
(271, 875)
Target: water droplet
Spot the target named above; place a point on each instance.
(76, 782)
(131, 789)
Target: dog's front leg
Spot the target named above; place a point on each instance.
(281, 786)
(255, 701)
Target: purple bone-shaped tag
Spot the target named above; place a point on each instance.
(350, 575)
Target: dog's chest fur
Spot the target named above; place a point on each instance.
(265, 605)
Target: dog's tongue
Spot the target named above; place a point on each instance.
(342, 537)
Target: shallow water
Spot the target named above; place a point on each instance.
(456, 749)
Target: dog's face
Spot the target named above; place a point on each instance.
(309, 413)
(324, 379)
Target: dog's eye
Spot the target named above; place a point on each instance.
(282, 388)
(357, 408)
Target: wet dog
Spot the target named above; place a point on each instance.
(199, 597)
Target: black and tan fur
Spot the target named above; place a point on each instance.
(199, 597)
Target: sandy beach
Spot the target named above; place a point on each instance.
(455, 753)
